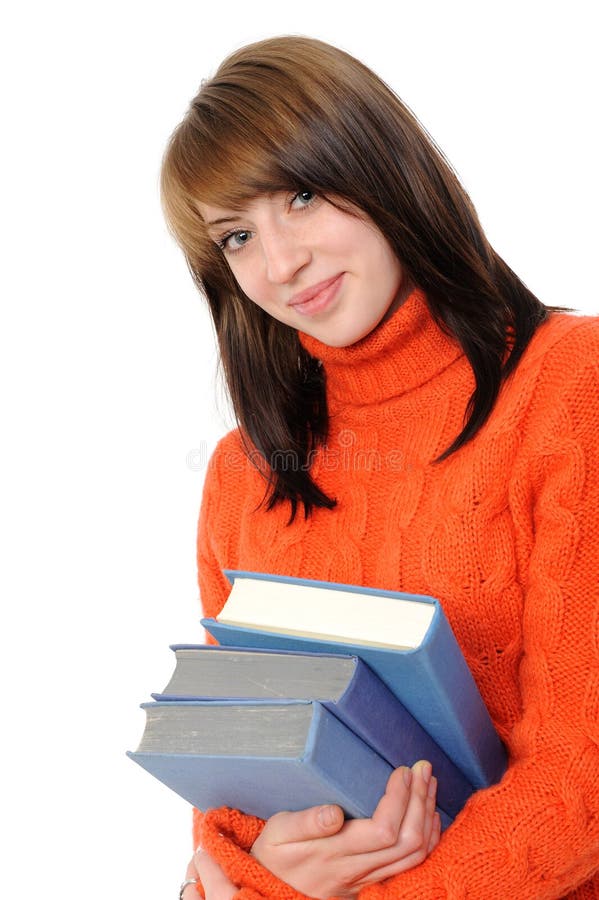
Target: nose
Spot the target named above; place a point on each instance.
(285, 254)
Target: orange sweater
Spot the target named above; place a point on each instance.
(505, 533)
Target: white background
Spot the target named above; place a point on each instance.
(107, 358)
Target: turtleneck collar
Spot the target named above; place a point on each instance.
(400, 355)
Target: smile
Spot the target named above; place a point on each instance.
(318, 297)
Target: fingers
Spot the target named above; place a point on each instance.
(397, 866)
(394, 803)
(305, 825)
(416, 827)
(318, 853)
(214, 881)
(190, 891)
(295, 847)
(402, 834)
(405, 813)
(191, 872)
(369, 835)
(429, 817)
(435, 833)
(417, 835)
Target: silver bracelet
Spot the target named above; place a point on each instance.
(185, 884)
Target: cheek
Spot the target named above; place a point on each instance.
(391, 266)
(257, 289)
(383, 252)
(366, 246)
(249, 281)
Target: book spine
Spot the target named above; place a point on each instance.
(355, 773)
(376, 715)
(456, 708)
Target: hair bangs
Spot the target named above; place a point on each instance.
(253, 130)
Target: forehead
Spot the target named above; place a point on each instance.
(214, 214)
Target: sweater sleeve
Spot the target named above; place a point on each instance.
(214, 586)
(227, 834)
(535, 835)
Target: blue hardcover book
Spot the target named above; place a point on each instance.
(404, 638)
(260, 758)
(344, 685)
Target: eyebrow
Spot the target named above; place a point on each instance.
(222, 221)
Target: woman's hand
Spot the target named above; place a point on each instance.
(320, 854)
(214, 881)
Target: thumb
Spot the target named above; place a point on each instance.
(329, 818)
(305, 825)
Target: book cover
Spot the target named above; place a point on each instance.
(432, 679)
(344, 685)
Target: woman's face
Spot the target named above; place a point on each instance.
(329, 273)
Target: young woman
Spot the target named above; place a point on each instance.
(410, 417)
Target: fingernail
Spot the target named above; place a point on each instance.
(426, 770)
(432, 787)
(407, 776)
(327, 815)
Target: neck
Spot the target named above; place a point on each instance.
(402, 353)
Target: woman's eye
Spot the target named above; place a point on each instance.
(303, 198)
(234, 241)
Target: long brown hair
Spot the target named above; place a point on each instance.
(293, 113)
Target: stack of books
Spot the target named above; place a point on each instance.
(315, 694)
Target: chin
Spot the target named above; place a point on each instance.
(340, 341)
(350, 337)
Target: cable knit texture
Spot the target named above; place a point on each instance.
(505, 533)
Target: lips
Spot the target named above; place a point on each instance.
(316, 298)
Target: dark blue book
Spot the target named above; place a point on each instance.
(404, 638)
(260, 758)
(344, 685)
